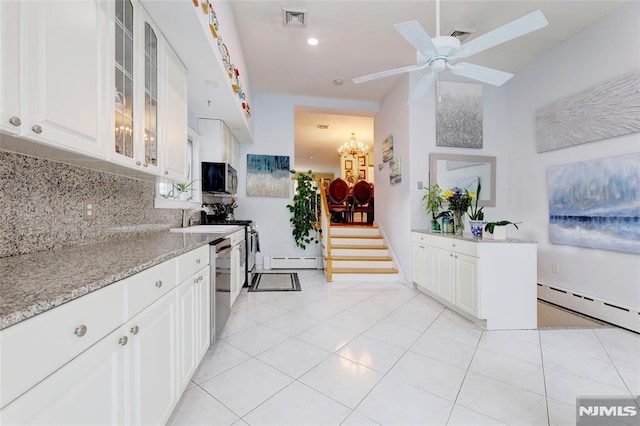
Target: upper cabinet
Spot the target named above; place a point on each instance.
(217, 142)
(96, 79)
(52, 73)
(148, 123)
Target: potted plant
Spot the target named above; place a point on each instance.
(498, 230)
(434, 200)
(303, 210)
(476, 215)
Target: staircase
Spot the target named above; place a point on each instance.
(358, 253)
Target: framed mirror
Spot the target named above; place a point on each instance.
(465, 171)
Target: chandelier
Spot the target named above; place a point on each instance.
(352, 148)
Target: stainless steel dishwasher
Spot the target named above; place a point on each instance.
(220, 286)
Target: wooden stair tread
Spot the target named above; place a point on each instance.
(355, 226)
(369, 237)
(337, 247)
(364, 271)
(362, 258)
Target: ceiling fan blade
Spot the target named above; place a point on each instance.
(480, 73)
(387, 73)
(521, 26)
(421, 89)
(417, 36)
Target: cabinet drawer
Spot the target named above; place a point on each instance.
(148, 286)
(236, 237)
(418, 237)
(458, 246)
(35, 348)
(192, 262)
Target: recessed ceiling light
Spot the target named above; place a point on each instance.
(338, 82)
(312, 41)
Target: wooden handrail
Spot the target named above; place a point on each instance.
(325, 226)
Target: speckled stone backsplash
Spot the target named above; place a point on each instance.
(41, 205)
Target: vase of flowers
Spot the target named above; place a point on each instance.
(459, 201)
(476, 215)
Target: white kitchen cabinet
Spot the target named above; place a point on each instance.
(173, 144)
(152, 364)
(218, 143)
(193, 324)
(12, 100)
(491, 282)
(236, 274)
(52, 73)
(89, 390)
(423, 265)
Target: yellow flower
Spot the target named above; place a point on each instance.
(472, 195)
(448, 193)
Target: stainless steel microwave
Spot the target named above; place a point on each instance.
(219, 178)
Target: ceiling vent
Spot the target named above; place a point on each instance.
(460, 34)
(293, 18)
(322, 126)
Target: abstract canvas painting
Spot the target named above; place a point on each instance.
(387, 149)
(601, 112)
(268, 176)
(395, 171)
(459, 115)
(596, 203)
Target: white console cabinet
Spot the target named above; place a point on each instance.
(494, 283)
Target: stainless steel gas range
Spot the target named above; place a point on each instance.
(251, 243)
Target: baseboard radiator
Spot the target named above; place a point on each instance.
(292, 262)
(613, 313)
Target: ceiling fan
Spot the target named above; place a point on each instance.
(441, 53)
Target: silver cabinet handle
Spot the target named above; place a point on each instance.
(80, 331)
(37, 129)
(123, 340)
(166, 172)
(453, 245)
(450, 254)
(135, 329)
(15, 121)
(159, 283)
(456, 256)
(198, 261)
(138, 163)
(146, 165)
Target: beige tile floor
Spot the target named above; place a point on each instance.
(551, 316)
(383, 354)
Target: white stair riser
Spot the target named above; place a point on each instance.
(354, 231)
(356, 242)
(382, 264)
(364, 277)
(360, 252)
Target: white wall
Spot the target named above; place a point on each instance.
(608, 49)
(401, 208)
(274, 135)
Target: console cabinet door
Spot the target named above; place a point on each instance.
(467, 283)
(64, 59)
(89, 390)
(152, 362)
(445, 275)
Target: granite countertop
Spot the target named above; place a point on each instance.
(31, 284)
(469, 237)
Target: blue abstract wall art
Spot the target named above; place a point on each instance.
(268, 176)
(596, 203)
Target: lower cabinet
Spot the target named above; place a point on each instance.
(136, 374)
(89, 390)
(152, 362)
(495, 282)
(236, 274)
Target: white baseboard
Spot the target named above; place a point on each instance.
(293, 262)
(613, 313)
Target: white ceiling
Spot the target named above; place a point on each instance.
(357, 38)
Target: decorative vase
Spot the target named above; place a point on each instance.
(435, 226)
(476, 227)
(458, 222)
(447, 225)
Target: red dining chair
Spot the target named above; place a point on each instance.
(338, 194)
(362, 200)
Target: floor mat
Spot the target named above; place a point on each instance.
(275, 281)
(552, 316)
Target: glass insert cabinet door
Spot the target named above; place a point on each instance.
(151, 96)
(124, 77)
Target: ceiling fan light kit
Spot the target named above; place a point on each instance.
(442, 52)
